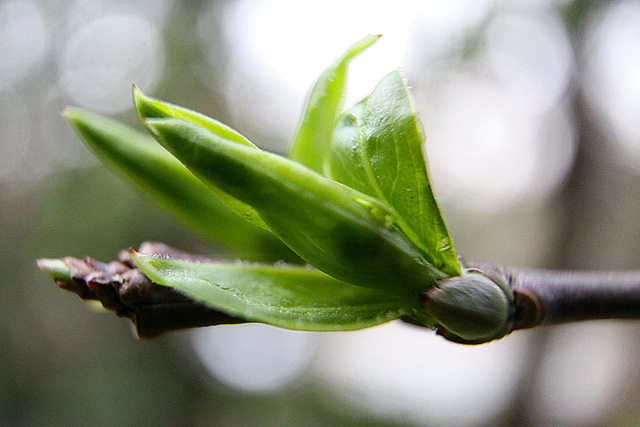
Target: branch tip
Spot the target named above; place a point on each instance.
(122, 287)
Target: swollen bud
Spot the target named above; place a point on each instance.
(470, 308)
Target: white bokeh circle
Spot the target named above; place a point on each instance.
(23, 40)
(253, 357)
(105, 56)
(406, 376)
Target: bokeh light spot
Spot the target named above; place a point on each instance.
(487, 151)
(405, 376)
(105, 56)
(611, 80)
(253, 357)
(582, 373)
(23, 40)
(531, 58)
(280, 47)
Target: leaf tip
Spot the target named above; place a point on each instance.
(72, 114)
(137, 96)
(152, 125)
(146, 106)
(56, 268)
(83, 121)
(137, 257)
(140, 259)
(66, 111)
(361, 45)
(140, 102)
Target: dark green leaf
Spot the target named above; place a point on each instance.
(149, 108)
(377, 149)
(340, 231)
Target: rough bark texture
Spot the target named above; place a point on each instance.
(541, 297)
(121, 287)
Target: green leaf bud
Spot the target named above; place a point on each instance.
(470, 308)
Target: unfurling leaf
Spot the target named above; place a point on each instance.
(353, 200)
(150, 108)
(312, 140)
(377, 149)
(346, 234)
(169, 183)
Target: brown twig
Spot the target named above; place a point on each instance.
(121, 287)
(540, 297)
(550, 297)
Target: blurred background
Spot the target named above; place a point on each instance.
(532, 112)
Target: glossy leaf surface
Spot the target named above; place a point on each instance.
(290, 297)
(149, 108)
(377, 149)
(166, 181)
(340, 231)
(313, 139)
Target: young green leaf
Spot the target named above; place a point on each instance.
(377, 149)
(312, 140)
(340, 231)
(289, 297)
(170, 184)
(150, 108)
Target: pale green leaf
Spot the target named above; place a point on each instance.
(166, 181)
(377, 149)
(312, 140)
(149, 108)
(291, 297)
